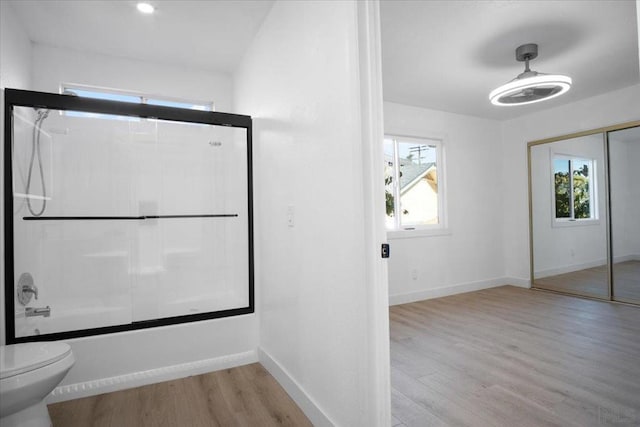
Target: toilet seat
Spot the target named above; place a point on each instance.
(17, 359)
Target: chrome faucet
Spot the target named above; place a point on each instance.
(42, 311)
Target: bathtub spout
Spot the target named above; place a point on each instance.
(42, 311)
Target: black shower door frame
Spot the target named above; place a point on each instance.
(24, 98)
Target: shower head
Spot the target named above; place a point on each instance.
(42, 115)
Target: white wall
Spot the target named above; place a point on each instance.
(567, 246)
(299, 81)
(470, 255)
(228, 341)
(638, 15)
(15, 72)
(488, 213)
(15, 51)
(611, 108)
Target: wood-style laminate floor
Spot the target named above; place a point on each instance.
(515, 357)
(243, 396)
(595, 281)
(592, 281)
(626, 280)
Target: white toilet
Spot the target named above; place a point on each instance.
(28, 373)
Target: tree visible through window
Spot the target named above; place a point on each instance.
(573, 188)
(413, 193)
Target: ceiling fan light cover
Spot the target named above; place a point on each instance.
(529, 90)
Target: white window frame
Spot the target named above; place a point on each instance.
(144, 98)
(419, 230)
(593, 193)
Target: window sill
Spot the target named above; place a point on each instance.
(575, 223)
(418, 232)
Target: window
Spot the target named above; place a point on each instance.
(122, 96)
(414, 183)
(573, 188)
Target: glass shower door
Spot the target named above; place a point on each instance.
(191, 253)
(71, 181)
(123, 222)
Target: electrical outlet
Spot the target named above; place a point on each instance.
(290, 216)
(414, 274)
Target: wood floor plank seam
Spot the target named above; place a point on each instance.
(243, 396)
(556, 360)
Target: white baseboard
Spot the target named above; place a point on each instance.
(624, 258)
(310, 408)
(583, 266)
(456, 289)
(569, 268)
(517, 281)
(137, 379)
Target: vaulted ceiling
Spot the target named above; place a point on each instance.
(444, 55)
(210, 35)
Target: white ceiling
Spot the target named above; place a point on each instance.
(445, 55)
(210, 35)
(448, 55)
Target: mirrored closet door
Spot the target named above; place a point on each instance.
(624, 160)
(584, 202)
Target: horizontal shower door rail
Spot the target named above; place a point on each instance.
(125, 218)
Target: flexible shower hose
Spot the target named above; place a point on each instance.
(35, 151)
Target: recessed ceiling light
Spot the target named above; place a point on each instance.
(146, 8)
